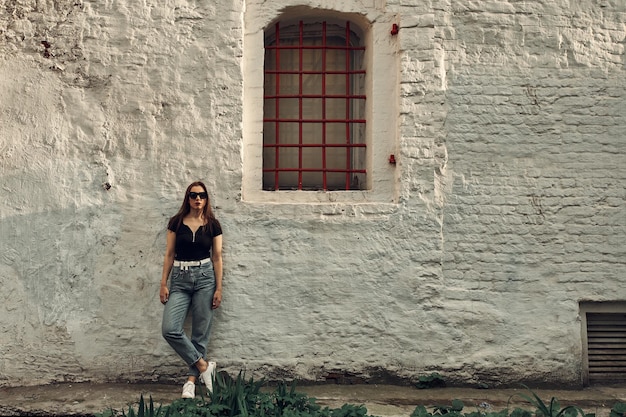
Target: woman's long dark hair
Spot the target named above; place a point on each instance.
(185, 208)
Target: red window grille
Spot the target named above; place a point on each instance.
(314, 108)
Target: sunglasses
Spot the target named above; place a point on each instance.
(193, 195)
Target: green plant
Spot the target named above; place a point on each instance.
(420, 411)
(433, 380)
(235, 397)
(349, 410)
(187, 408)
(479, 413)
(553, 409)
(518, 412)
(618, 410)
(290, 401)
(453, 410)
(241, 398)
(143, 410)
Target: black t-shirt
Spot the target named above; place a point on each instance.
(193, 247)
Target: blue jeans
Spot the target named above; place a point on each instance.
(190, 289)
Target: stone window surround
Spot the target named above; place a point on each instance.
(382, 113)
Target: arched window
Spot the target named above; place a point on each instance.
(320, 104)
(314, 120)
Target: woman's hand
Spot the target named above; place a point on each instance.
(217, 299)
(164, 294)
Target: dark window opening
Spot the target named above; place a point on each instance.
(314, 108)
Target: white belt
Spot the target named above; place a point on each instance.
(187, 264)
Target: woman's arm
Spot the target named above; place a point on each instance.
(168, 261)
(216, 257)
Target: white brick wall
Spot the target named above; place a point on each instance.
(510, 203)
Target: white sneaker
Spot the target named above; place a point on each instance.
(208, 375)
(189, 390)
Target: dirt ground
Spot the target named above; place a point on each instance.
(380, 400)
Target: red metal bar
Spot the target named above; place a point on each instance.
(348, 91)
(324, 50)
(336, 170)
(347, 121)
(348, 47)
(316, 145)
(338, 96)
(277, 110)
(295, 72)
(300, 69)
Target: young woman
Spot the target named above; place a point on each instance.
(193, 263)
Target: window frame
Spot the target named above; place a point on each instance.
(382, 113)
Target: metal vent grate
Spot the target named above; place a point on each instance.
(606, 339)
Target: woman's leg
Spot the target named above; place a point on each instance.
(174, 316)
(201, 319)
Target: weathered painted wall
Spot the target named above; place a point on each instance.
(511, 185)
